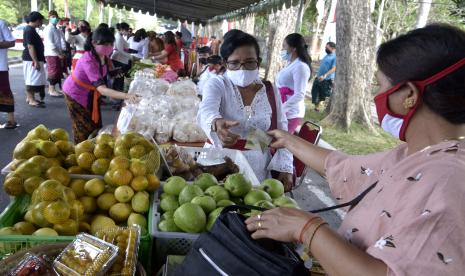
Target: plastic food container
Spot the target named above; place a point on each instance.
(86, 255)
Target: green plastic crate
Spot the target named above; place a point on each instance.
(15, 211)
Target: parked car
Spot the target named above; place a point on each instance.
(18, 35)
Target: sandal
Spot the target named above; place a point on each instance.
(55, 94)
(35, 104)
(10, 125)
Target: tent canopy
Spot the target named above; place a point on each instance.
(198, 11)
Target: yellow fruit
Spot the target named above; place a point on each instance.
(100, 166)
(16, 162)
(120, 212)
(137, 151)
(13, 186)
(154, 182)
(152, 160)
(25, 228)
(84, 146)
(41, 161)
(28, 169)
(138, 167)
(59, 134)
(54, 162)
(39, 132)
(77, 185)
(124, 193)
(103, 151)
(106, 200)
(57, 212)
(85, 160)
(119, 162)
(76, 210)
(47, 149)
(25, 150)
(121, 151)
(139, 183)
(59, 174)
(65, 147)
(76, 170)
(94, 187)
(89, 203)
(108, 178)
(32, 183)
(70, 160)
(121, 177)
(46, 231)
(68, 195)
(50, 190)
(28, 216)
(105, 138)
(84, 226)
(101, 222)
(67, 228)
(37, 214)
(35, 197)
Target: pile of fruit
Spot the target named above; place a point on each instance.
(60, 205)
(194, 208)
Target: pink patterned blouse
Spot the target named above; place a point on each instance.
(414, 218)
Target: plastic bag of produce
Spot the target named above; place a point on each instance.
(163, 130)
(125, 117)
(32, 265)
(188, 132)
(183, 88)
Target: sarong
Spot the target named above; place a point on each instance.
(7, 102)
(54, 69)
(81, 119)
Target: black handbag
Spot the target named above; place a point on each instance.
(228, 248)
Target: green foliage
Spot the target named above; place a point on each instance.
(309, 18)
(8, 13)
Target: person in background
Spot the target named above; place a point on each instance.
(411, 220)
(7, 101)
(155, 44)
(323, 83)
(33, 60)
(121, 59)
(170, 53)
(139, 44)
(78, 40)
(238, 101)
(200, 66)
(129, 34)
(194, 43)
(214, 67)
(292, 80)
(214, 45)
(179, 43)
(54, 53)
(67, 61)
(87, 83)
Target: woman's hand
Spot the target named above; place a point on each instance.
(280, 224)
(222, 127)
(132, 98)
(281, 138)
(287, 180)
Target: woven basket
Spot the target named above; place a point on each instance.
(51, 251)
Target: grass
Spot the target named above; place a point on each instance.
(14, 53)
(358, 140)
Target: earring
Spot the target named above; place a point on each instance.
(409, 103)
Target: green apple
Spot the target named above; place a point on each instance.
(190, 218)
(217, 192)
(168, 225)
(256, 195)
(205, 180)
(224, 203)
(167, 215)
(207, 203)
(237, 185)
(213, 216)
(169, 203)
(264, 204)
(174, 185)
(273, 187)
(188, 193)
(284, 201)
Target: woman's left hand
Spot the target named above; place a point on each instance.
(280, 224)
(287, 180)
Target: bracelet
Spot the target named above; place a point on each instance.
(316, 227)
(305, 228)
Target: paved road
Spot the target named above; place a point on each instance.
(312, 194)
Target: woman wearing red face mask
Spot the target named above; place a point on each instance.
(411, 220)
(87, 83)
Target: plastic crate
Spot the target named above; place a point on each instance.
(15, 211)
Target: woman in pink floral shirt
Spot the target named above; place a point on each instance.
(412, 221)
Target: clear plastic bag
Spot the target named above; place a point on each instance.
(86, 255)
(127, 239)
(183, 88)
(32, 265)
(188, 132)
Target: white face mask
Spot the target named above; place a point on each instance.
(285, 55)
(242, 78)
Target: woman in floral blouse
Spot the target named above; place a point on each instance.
(412, 221)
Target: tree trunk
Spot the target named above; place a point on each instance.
(323, 12)
(379, 31)
(281, 23)
(423, 12)
(355, 56)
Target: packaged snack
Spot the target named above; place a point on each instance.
(32, 265)
(86, 255)
(127, 240)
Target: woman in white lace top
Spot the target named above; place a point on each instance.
(237, 101)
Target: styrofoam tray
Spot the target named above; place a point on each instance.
(211, 156)
(7, 169)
